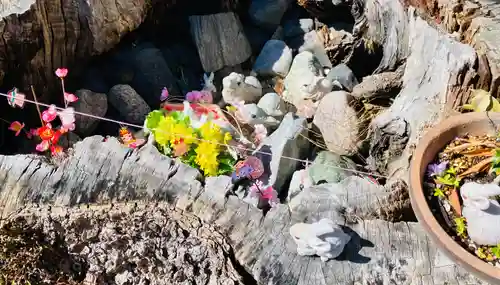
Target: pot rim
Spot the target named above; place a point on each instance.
(420, 205)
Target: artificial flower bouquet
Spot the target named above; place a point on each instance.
(199, 141)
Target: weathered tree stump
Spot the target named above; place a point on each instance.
(40, 36)
(119, 180)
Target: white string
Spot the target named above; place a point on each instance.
(307, 162)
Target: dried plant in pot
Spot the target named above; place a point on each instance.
(453, 190)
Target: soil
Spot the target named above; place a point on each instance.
(468, 158)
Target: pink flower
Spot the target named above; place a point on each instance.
(67, 117)
(270, 195)
(43, 146)
(50, 114)
(16, 127)
(164, 94)
(61, 72)
(193, 96)
(206, 97)
(264, 192)
(70, 97)
(31, 133)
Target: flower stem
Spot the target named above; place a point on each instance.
(64, 93)
(36, 104)
(258, 188)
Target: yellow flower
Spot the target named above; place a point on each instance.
(227, 137)
(182, 133)
(211, 132)
(163, 132)
(206, 158)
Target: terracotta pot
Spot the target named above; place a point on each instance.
(429, 146)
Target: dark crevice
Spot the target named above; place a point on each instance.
(248, 279)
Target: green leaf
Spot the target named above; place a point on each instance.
(176, 115)
(451, 170)
(460, 224)
(438, 193)
(153, 119)
(496, 250)
(480, 253)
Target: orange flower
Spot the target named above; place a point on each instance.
(56, 149)
(46, 132)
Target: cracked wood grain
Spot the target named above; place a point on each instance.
(104, 176)
(43, 35)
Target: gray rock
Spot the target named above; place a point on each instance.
(94, 80)
(381, 85)
(278, 34)
(220, 40)
(253, 115)
(357, 197)
(343, 77)
(300, 181)
(297, 27)
(237, 87)
(118, 68)
(130, 105)
(152, 74)
(89, 103)
(313, 43)
(290, 139)
(274, 59)
(304, 79)
(330, 168)
(337, 121)
(184, 62)
(257, 37)
(268, 13)
(69, 140)
(272, 105)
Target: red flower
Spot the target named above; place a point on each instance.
(56, 149)
(55, 137)
(46, 132)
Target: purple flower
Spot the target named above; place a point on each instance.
(435, 169)
(164, 94)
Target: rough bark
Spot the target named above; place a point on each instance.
(435, 82)
(105, 173)
(129, 245)
(39, 36)
(220, 40)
